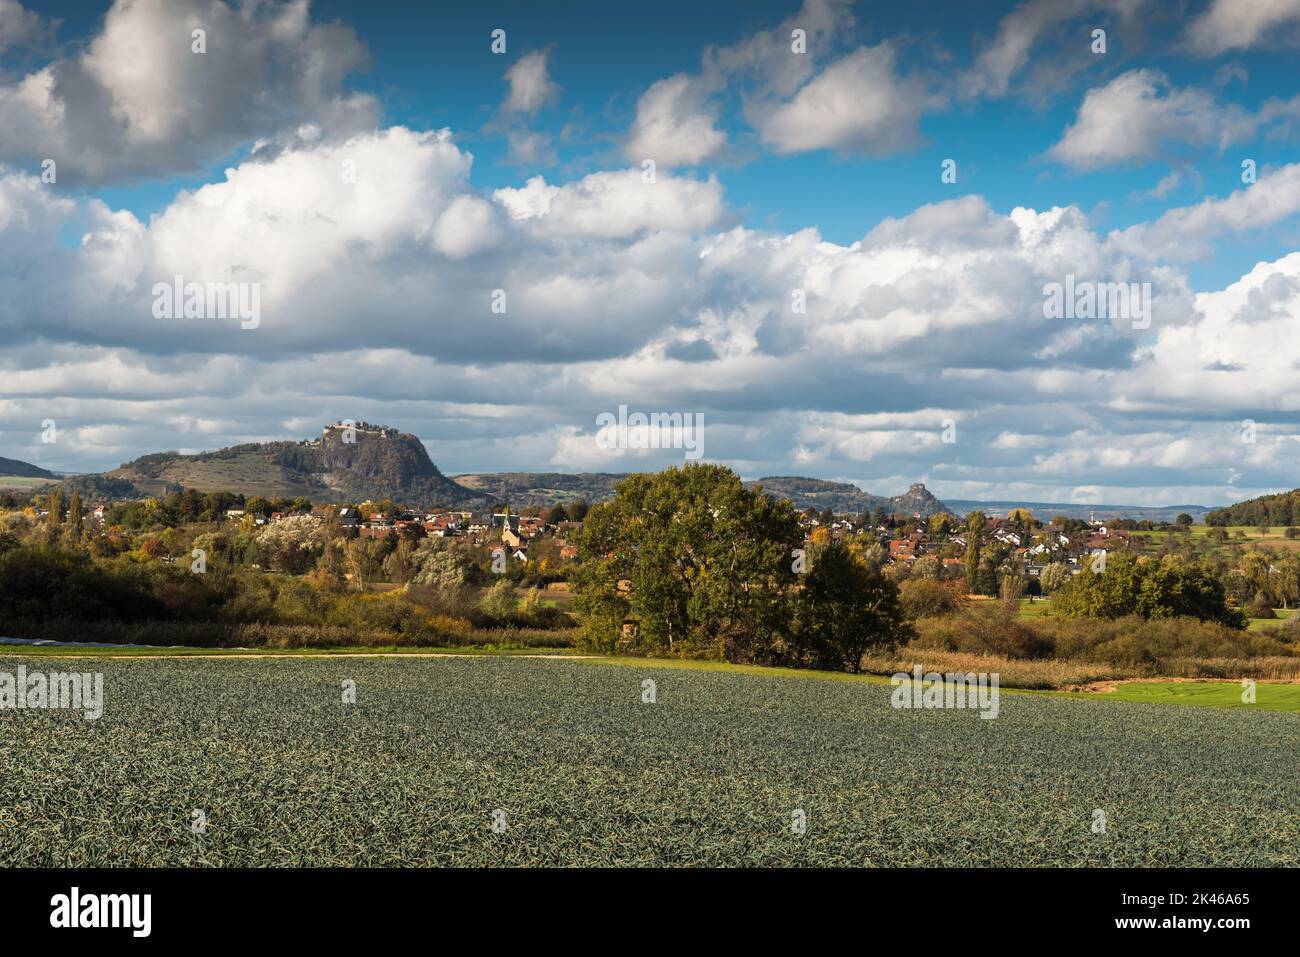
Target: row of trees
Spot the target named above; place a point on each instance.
(1148, 587)
(1280, 509)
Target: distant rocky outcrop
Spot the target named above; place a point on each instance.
(844, 498)
(349, 462)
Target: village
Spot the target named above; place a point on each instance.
(1028, 544)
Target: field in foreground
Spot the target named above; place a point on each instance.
(586, 773)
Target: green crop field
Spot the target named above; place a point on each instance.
(588, 774)
(21, 483)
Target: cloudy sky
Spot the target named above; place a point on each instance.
(740, 213)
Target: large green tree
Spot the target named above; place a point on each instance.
(846, 609)
(701, 563)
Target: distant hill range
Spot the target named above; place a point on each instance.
(14, 468)
(844, 498)
(542, 488)
(1049, 510)
(23, 478)
(375, 462)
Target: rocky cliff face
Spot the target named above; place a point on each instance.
(345, 464)
(378, 462)
(918, 499)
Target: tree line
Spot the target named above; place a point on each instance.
(1280, 509)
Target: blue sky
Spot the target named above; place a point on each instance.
(428, 69)
(673, 302)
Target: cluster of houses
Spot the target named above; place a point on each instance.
(1035, 549)
(96, 514)
(512, 531)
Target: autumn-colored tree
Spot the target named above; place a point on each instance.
(54, 503)
(975, 523)
(76, 520)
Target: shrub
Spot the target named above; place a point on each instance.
(500, 603)
(1138, 641)
(457, 601)
(1288, 630)
(434, 632)
(990, 629)
(928, 598)
(1124, 642)
(46, 582)
(1259, 607)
